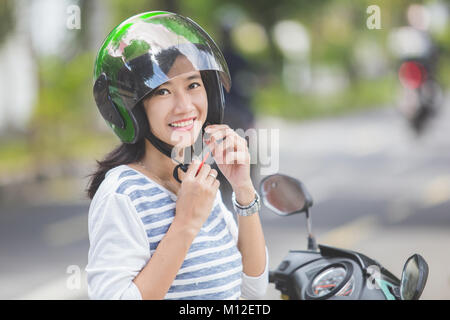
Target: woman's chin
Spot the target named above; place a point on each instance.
(185, 138)
(184, 142)
(179, 149)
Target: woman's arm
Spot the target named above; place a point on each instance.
(118, 248)
(252, 287)
(251, 241)
(156, 277)
(194, 204)
(231, 154)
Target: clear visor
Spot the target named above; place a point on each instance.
(143, 53)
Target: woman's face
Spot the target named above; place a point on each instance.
(177, 109)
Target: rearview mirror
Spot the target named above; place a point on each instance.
(414, 278)
(284, 195)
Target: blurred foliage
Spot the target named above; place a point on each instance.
(6, 18)
(276, 101)
(122, 10)
(66, 126)
(14, 156)
(61, 127)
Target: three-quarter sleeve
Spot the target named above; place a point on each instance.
(118, 250)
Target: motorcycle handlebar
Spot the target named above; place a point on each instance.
(271, 277)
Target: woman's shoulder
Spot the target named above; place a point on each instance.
(110, 206)
(126, 182)
(118, 180)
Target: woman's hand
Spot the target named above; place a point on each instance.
(231, 155)
(196, 196)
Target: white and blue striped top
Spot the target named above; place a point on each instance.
(129, 216)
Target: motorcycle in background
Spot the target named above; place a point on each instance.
(325, 272)
(421, 96)
(418, 54)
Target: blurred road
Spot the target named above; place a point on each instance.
(376, 189)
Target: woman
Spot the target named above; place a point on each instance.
(158, 84)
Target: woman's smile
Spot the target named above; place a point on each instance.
(183, 124)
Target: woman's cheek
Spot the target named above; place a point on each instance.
(160, 128)
(200, 99)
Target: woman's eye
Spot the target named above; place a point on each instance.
(162, 92)
(194, 85)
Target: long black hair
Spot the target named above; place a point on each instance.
(125, 153)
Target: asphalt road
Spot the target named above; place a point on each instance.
(376, 190)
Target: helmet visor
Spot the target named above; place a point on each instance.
(148, 50)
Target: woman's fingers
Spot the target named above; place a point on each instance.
(216, 184)
(214, 127)
(219, 133)
(238, 158)
(233, 143)
(192, 169)
(206, 174)
(203, 173)
(212, 176)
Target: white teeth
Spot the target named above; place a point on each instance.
(182, 124)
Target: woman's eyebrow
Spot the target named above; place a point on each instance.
(195, 76)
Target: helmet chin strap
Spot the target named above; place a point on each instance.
(166, 149)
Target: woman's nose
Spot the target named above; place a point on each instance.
(183, 102)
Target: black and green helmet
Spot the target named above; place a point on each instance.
(139, 55)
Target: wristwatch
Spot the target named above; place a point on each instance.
(249, 210)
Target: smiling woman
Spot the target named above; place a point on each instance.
(159, 82)
(178, 109)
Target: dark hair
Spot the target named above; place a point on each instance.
(123, 154)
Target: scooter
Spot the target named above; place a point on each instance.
(325, 272)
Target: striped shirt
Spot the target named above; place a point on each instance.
(128, 217)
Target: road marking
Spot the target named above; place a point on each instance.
(67, 231)
(436, 192)
(347, 235)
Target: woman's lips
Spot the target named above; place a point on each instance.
(183, 125)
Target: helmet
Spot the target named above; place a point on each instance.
(139, 55)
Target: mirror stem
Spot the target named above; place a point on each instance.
(312, 244)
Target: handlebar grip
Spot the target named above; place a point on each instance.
(271, 277)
